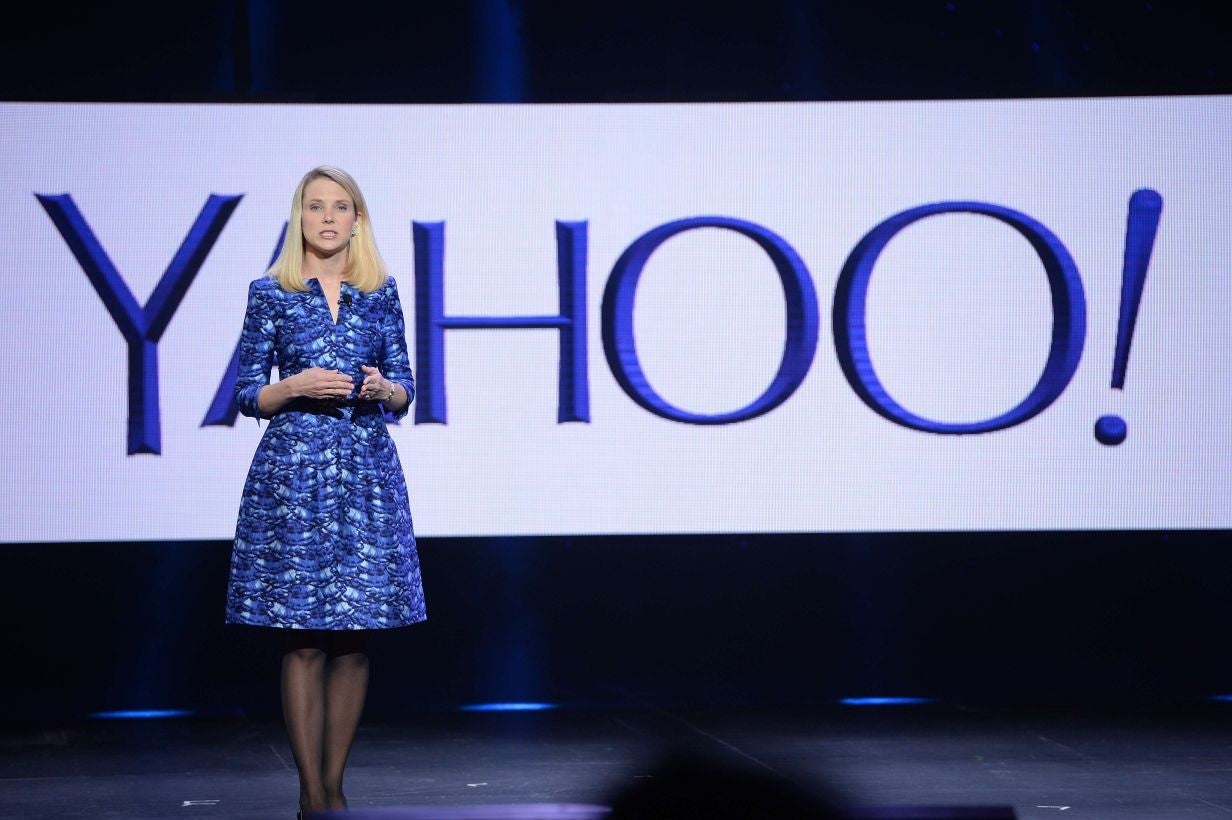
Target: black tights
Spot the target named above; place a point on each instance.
(324, 682)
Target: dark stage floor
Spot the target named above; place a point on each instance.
(1161, 764)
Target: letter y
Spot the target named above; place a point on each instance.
(141, 326)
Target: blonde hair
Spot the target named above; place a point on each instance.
(365, 269)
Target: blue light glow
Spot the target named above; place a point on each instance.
(1221, 698)
(884, 701)
(142, 714)
(508, 707)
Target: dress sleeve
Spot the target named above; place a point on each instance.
(395, 362)
(256, 350)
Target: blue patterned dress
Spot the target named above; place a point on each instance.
(324, 538)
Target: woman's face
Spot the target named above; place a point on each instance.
(328, 217)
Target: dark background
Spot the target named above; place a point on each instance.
(497, 50)
(984, 618)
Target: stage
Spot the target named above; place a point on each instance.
(766, 355)
(1162, 763)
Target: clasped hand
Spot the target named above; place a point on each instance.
(325, 384)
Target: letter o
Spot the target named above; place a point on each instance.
(1069, 319)
(803, 321)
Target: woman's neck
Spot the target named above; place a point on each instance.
(326, 268)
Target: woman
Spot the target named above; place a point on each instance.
(324, 546)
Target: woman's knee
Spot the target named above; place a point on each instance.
(353, 661)
(304, 656)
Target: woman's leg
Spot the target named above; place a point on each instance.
(346, 686)
(303, 708)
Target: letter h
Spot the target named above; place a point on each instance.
(431, 322)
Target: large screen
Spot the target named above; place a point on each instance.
(628, 319)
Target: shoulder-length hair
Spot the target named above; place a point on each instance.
(365, 269)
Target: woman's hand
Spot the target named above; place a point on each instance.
(319, 383)
(375, 387)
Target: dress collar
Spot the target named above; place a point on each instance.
(346, 287)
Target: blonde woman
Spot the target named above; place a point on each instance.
(324, 546)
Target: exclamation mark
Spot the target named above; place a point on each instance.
(1145, 206)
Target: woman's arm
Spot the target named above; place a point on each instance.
(395, 363)
(256, 352)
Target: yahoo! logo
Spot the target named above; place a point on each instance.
(142, 327)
